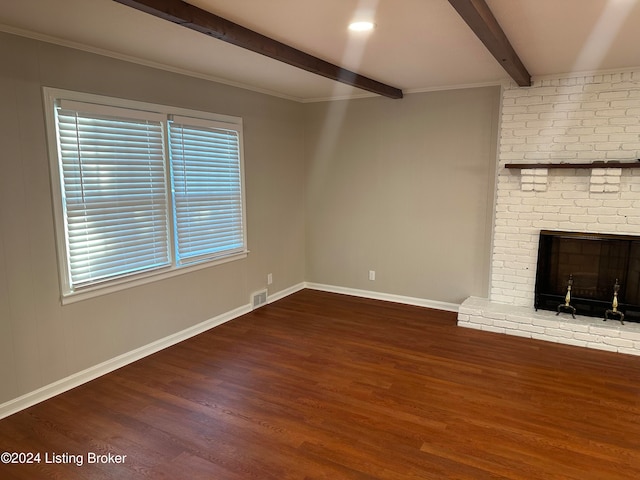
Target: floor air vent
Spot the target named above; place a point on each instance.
(258, 299)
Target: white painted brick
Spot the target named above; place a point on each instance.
(471, 325)
(542, 322)
(583, 219)
(630, 103)
(628, 195)
(618, 342)
(630, 335)
(490, 328)
(585, 337)
(597, 87)
(602, 211)
(608, 129)
(521, 208)
(588, 202)
(617, 203)
(580, 114)
(572, 210)
(514, 109)
(518, 333)
(495, 315)
(575, 195)
(602, 346)
(629, 351)
(482, 320)
(512, 326)
(568, 106)
(558, 333)
(498, 297)
(593, 155)
(565, 123)
(525, 117)
(594, 105)
(575, 327)
(531, 328)
(603, 331)
(548, 90)
(623, 121)
(615, 95)
(628, 212)
(569, 87)
(538, 336)
(609, 220)
(469, 310)
(574, 342)
(529, 99)
(520, 318)
(548, 122)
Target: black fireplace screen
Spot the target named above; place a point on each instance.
(595, 262)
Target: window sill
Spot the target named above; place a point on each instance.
(143, 279)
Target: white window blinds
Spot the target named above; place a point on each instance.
(114, 192)
(207, 188)
(141, 190)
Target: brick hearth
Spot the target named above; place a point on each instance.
(590, 332)
(570, 119)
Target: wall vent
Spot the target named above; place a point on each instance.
(258, 299)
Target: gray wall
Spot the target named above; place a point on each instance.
(405, 188)
(333, 190)
(42, 341)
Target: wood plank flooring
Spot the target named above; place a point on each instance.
(327, 386)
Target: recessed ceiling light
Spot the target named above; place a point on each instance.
(361, 26)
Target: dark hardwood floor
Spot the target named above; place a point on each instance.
(326, 386)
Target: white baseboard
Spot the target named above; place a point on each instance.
(91, 373)
(420, 302)
(48, 391)
(286, 292)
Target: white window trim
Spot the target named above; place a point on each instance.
(53, 95)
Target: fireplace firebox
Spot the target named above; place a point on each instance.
(594, 262)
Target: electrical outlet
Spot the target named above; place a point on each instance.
(372, 274)
(269, 278)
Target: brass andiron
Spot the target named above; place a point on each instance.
(614, 305)
(566, 306)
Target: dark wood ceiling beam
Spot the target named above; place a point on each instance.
(481, 20)
(195, 18)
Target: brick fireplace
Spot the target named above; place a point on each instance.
(576, 119)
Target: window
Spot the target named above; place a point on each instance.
(141, 190)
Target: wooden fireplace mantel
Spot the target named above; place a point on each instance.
(594, 164)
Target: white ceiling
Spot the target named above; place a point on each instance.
(418, 45)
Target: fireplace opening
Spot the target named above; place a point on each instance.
(594, 262)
